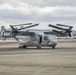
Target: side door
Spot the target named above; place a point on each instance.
(45, 40)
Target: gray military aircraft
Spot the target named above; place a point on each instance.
(36, 37)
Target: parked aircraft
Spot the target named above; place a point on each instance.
(35, 37)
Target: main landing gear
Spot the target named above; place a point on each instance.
(39, 47)
(53, 46)
(24, 46)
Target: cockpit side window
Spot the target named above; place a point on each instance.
(45, 38)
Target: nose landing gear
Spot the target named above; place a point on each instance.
(53, 46)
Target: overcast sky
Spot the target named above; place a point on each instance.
(38, 11)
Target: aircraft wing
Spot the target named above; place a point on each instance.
(25, 33)
(50, 32)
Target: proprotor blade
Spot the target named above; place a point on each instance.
(60, 32)
(29, 26)
(64, 25)
(69, 30)
(23, 24)
(56, 27)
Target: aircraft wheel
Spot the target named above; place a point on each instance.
(53, 46)
(38, 47)
(22, 46)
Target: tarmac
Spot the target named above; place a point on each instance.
(33, 61)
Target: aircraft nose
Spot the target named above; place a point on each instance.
(53, 42)
(16, 38)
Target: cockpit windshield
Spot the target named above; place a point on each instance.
(51, 36)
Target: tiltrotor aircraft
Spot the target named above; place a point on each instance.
(36, 37)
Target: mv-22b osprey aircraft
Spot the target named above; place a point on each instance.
(36, 37)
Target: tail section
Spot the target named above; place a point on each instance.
(2, 33)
